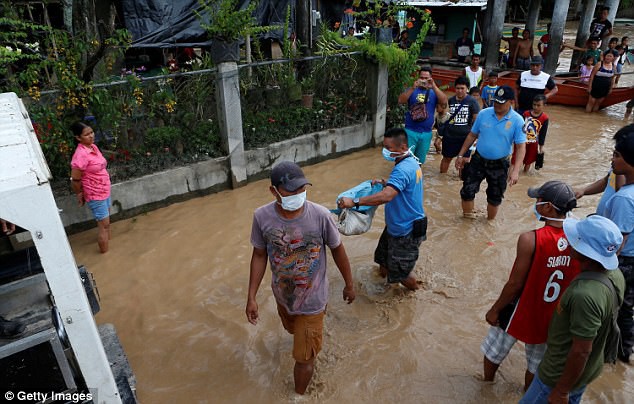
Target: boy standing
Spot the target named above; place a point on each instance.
(536, 127)
(489, 90)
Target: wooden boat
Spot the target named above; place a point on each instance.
(571, 91)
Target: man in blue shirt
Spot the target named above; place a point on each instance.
(405, 220)
(620, 209)
(497, 129)
(423, 94)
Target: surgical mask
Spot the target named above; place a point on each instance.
(544, 218)
(292, 202)
(388, 154)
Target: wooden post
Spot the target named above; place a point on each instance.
(303, 22)
(533, 16)
(560, 12)
(583, 32)
(494, 34)
(486, 24)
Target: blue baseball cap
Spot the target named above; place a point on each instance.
(595, 237)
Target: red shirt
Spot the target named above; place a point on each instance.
(550, 274)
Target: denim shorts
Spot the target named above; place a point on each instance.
(397, 254)
(100, 209)
(619, 68)
(498, 343)
(538, 393)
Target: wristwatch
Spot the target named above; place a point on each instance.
(356, 203)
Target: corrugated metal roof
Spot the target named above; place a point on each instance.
(21, 160)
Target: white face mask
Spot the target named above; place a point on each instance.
(292, 202)
(542, 218)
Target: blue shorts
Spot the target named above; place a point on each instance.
(538, 393)
(100, 209)
(619, 68)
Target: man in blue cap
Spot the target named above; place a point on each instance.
(583, 318)
(292, 233)
(497, 130)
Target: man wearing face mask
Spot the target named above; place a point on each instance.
(293, 234)
(542, 271)
(405, 220)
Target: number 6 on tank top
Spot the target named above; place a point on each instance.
(553, 287)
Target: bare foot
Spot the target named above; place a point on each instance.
(383, 271)
(411, 283)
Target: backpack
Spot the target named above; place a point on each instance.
(418, 110)
(613, 342)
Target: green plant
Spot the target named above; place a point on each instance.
(380, 14)
(227, 21)
(308, 84)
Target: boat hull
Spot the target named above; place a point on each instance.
(570, 92)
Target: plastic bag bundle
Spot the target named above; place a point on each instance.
(352, 222)
(355, 221)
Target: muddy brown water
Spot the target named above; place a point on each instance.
(175, 282)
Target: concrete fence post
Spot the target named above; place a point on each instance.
(230, 116)
(377, 95)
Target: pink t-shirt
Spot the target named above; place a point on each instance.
(95, 180)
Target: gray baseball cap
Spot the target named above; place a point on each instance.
(289, 176)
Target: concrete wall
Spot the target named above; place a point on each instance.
(142, 194)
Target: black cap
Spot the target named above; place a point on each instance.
(558, 193)
(289, 176)
(504, 94)
(537, 60)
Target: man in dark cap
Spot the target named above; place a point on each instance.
(292, 233)
(620, 209)
(533, 82)
(497, 129)
(581, 323)
(541, 272)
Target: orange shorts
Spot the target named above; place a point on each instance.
(307, 333)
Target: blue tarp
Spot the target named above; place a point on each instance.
(364, 189)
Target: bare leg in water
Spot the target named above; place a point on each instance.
(302, 373)
(104, 234)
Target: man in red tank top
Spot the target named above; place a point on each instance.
(542, 271)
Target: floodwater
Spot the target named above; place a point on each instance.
(175, 283)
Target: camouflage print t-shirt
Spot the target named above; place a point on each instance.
(296, 251)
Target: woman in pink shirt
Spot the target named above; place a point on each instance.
(90, 180)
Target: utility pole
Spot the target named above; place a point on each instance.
(494, 33)
(556, 35)
(583, 32)
(533, 16)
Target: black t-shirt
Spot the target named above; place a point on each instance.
(598, 28)
(460, 124)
